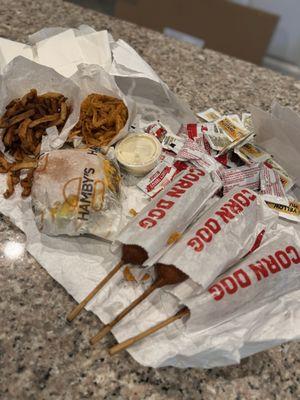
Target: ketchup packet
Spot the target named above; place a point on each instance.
(247, 176)
(286, 180)
(156, 129)
(271, 186)
(195, 131)
(222, 236)
(262, 277)
(193, 152)
(158, 178)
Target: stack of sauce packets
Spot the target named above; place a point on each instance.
(226, 145)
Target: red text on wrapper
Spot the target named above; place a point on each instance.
(159, 211)
(254, 273)
(225, 214)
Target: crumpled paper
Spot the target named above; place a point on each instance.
(80, 263)
(279, 133)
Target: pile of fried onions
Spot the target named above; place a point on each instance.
(101, 119)
(23, 125)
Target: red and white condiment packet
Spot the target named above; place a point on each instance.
(170, 212)
(222, 236)
(286, 179)
(158, 178)
(193, 152)
(194, 131)
(247, 176)
(198, 133)
(271, 187)
(261, 278)
(290, 212)
(156, 129)
(209, 115)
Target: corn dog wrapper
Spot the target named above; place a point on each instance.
(272, 271)
(230, 229)
(77, 192)
(159, 224)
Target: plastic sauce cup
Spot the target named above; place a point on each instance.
(138, 153)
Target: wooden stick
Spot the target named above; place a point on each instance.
(73, 314)
(107, 328)
(129, 342)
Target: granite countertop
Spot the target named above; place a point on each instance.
(43, 357)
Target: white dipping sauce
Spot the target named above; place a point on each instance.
(138, 153)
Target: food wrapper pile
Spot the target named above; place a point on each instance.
(249, 177)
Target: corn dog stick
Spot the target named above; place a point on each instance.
(107, 328)
(73, 314)
(129, 342)
(165, 275)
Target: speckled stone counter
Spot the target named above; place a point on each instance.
(41, 356)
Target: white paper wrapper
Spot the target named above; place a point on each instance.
(77, 192)
(10, 49)
(65, 50)
(279, 132)
(170, 212)
(261, 278)
(221, 237)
